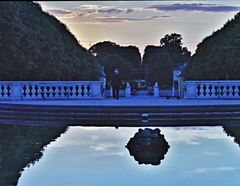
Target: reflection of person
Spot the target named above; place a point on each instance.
(116, 83)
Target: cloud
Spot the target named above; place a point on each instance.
(195, 7)
(58, 11)
(214, 170)
(127, 19)
(91, 8)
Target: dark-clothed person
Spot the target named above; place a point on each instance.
(116, 84)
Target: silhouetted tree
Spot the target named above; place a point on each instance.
(217, 57)
(129, 56)
(113, 61)
(159, 61)
(36, 46)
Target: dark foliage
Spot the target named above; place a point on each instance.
(36, 46)
(113, 61)
(159, 61)
(217, 57)
(130, 54)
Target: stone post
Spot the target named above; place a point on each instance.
(111, 91)
(96, 89)
(156, 90)
(128, 90)
(16, 90)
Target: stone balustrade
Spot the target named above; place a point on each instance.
(212, 89)
(34, 90)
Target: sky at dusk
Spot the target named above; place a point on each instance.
(142, 23)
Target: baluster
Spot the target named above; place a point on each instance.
(77, 90)
(54, 91)
(82, 90)
(65, 89)
(30, 91)
(88, 90)
(227, 90)
(42, 90)
(216, 91)
(24, 91)
(36, 91)
(8, 91)
(202, 91)
(233, 91)
(59, 91)
(2, 91)
(50, 92)
(230, 91)
(210, 89)
(47, 90)
(198, 90)
(74, 91)
(71, 91)
(221, 93)
(27, 91)
(206, 87)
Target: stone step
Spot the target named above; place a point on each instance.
(123, 109)
(119, 114)
(120, 122)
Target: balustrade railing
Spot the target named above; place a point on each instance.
(212, 89)
(27, 90)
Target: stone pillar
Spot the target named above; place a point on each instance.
(111, 91)
(156, 90)
(96, 89)
(128, 90)
(173, 88)
(16, 90)
(190, 89)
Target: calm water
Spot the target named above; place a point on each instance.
(90, 156)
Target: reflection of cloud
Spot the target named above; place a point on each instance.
(107, 149)
(211, 153)
(103, 147)
(192, 135)
(110, 154)
(195, 7)
(214, 170)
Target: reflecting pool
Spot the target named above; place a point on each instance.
(95, 156)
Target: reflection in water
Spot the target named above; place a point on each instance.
(22, 146)
(148, 146)
(233, 131)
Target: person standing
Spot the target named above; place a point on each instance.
(116, 83)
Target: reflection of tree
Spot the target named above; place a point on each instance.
(22, 146)
(233, 131)
(148, 146)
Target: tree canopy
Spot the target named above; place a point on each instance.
(113, 61)
(217, 57)
(160, 61)
(36, 46)
(130, 54)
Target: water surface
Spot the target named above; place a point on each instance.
(94, 156)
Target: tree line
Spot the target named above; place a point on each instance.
(217, 57)
(36, 46)
(158, 62)
(40, 47)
